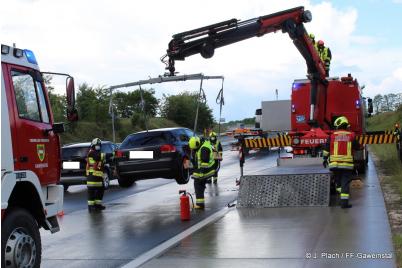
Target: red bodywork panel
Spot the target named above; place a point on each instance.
(341, 99)
(34, 148)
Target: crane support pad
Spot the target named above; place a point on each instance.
(280, 141)
(285, 187)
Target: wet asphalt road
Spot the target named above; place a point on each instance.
(136, 219)
(146, 215)
(296, 237)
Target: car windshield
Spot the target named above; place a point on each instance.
(145, 139)
(74, 152)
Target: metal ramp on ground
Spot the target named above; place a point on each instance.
(286, 187)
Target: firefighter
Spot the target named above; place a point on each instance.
(217, 147)
(339, 152)
(312, 37)
(94, 172)
(204, 167)
(325, 55)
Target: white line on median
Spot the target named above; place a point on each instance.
(158, 250)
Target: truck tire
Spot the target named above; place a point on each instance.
(183, 175)
(125, 182)
(20, 240)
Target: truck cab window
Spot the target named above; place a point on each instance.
(42, 103)
(31, 102)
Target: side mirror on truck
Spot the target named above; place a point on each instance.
(72, 113)
(370, 106)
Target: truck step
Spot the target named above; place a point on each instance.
(285, 187)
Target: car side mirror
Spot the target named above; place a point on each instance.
(184, 137)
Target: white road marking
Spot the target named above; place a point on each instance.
(160, 249)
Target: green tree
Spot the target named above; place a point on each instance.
(126, 104)
(182, 108)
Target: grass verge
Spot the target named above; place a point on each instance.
(390, 172)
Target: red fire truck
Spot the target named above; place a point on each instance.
(30, 157)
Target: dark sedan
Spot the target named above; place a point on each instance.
(157, 153)
(74, 163)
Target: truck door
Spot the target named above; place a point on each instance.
(35, 148)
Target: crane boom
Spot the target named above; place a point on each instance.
(206, 39)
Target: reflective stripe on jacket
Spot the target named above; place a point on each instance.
(204, 163)
(341, 150)
(95, 163)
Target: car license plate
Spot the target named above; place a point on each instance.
(71, 165)
(141, 155)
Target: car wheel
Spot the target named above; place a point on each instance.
(183, 175)
(20, 240)
(125, 182)
(106, 179)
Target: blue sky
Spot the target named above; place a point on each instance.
(104, 42)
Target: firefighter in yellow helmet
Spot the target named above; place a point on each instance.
(218, 152)
(325, 55)
(204, 167)
(312, 37)
(338, 155)
(94, 172)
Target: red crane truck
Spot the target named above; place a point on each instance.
(315, 101)
(30, 157)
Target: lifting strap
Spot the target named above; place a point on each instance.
(201, 98)
(142, 104)
(220, 101)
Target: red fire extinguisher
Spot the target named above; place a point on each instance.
(184, 205)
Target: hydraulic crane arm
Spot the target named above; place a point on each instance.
(206, 39)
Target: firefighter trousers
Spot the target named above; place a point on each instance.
(343, 177)
(199, 186)
(95, 190)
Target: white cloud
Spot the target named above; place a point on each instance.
(112, 42)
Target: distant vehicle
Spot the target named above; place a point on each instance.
(74, 163)
(158, 153)
(274, 116)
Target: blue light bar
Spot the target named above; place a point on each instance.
(30, 56)
(297, 85)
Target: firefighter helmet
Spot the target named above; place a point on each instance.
(96, 142)
(212, 137)
(194, 143)
(341, 122)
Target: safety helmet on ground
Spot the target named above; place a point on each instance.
(194, 143)
(320, 43)
(341, 122)
(212, 137)
(96, 143)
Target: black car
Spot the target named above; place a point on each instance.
(74, 163)
(157, 153)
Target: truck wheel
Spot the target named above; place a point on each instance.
(125, 182)
(20, 240)
(184, 174)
